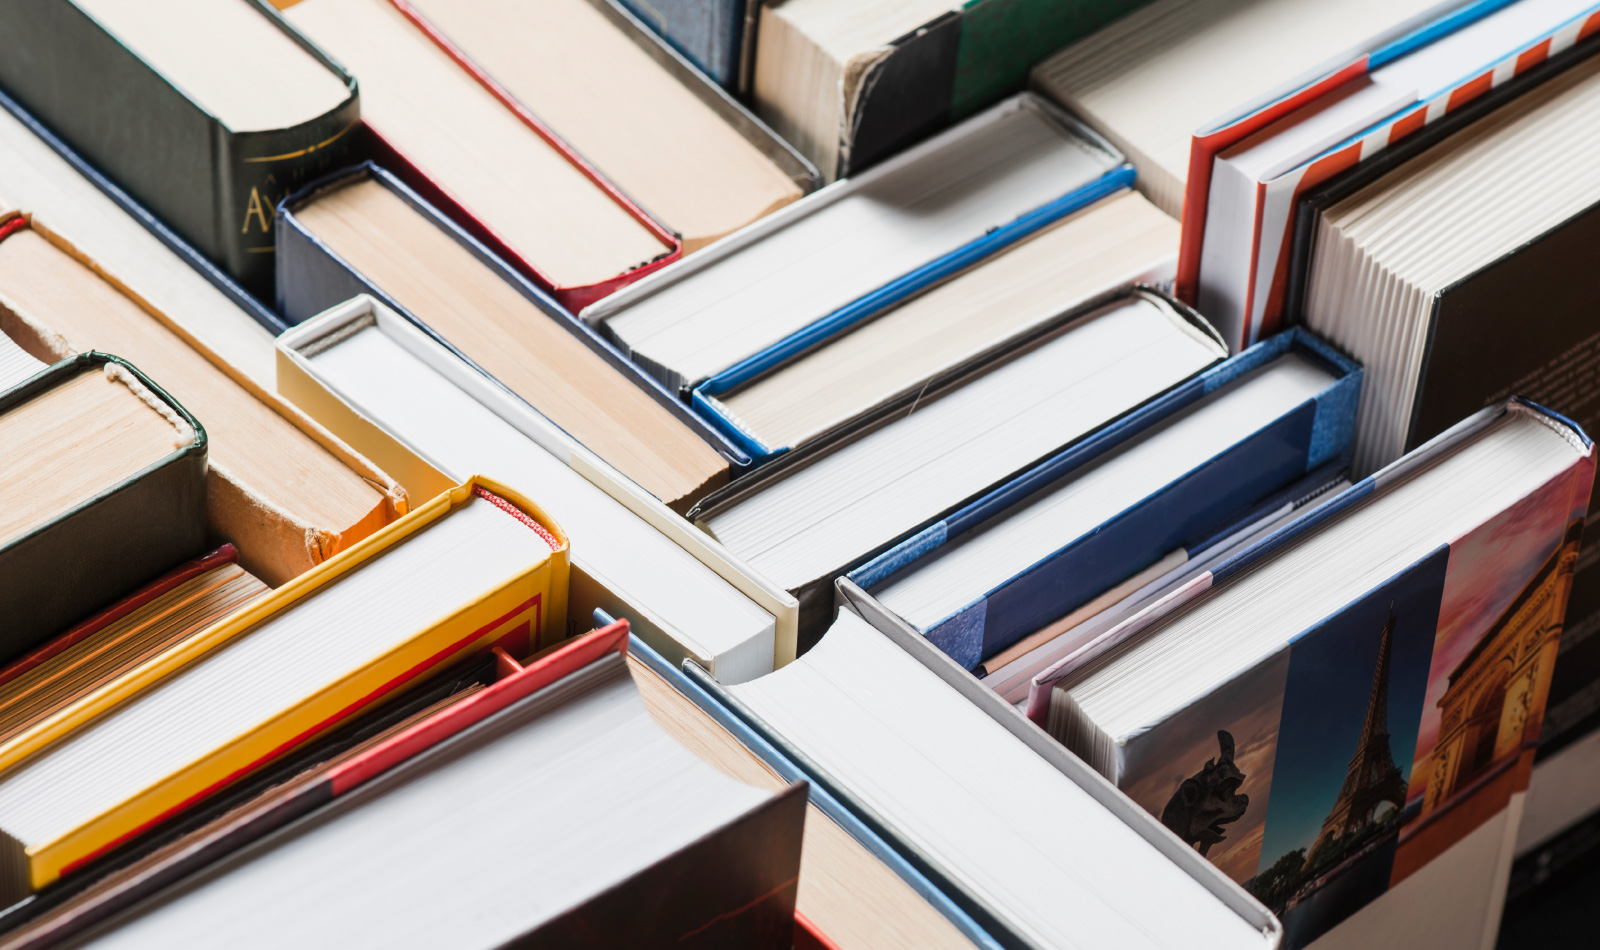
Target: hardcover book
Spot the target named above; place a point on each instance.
(362, 231)
(478, 154)
(105, 481)
(852, 83)
(280, 488)
(404, 399)
(936, 209)
(707, 862)
(474, 568)
(148, 95)
(1063, 532)
(42, 177)
(1343, 718)
(697, 160)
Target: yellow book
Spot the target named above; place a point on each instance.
(476, 567)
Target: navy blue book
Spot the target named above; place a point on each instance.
(1141, 496)
(362, 231)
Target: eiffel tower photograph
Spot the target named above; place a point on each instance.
(1352, 710)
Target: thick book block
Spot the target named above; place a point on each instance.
(476, 567)
(62, 564)
(215, 185)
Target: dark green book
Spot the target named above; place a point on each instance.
(207, 112)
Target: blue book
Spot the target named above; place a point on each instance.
(704, 692)
(1147, 492)
(849, 251)
(313, 277)
(709, 33)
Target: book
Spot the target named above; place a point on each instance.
(1237, 269)
(1194, 58)
(1526, 244)
(851, 84)
(1118, 240)
(1343, 717)
(1035, 847)
(942, 206)
(475, 567)
(280, 488)
(403, 399)
(365, 232)
(104, 478)
(855, 890)
(599, 89)
(707, 861)
(814, 514)
(146, 95)
(715, 37)
(1064, 532)
(483, 158)
(41, 177)
(101, 647)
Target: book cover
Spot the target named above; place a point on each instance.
(1182, 514)
(708, 33)
(1383, 737)
(527, 611)
(105, 545)
(214, 187)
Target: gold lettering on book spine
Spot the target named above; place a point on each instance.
(256, 209)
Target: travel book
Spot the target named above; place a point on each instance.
(1220, 448)
(404, 399)
(279, 487)
(1027, 840)
(105, 483)
(814, 514)
(706, 861)
(1197, 57)
(478, 154)
(476, 567)
(699, 161)
(146, 94)
(42, 177)
(853, 83)
(1117, 240)
(880, 237)
(1343, 718)
(1493, 251)
(1237, 268)
(363, 231)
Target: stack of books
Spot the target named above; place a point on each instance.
(809, 475)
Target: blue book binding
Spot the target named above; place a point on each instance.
(1184, 513)
(311, 278)
(709, 33)
(820, 796)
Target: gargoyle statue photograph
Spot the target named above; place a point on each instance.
(1208, 800)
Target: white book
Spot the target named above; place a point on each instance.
(374, 378)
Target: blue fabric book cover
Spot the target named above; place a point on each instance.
(709, 33)
(1182, 514)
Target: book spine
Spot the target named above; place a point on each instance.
(708, 34)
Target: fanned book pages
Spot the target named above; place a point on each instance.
(36, 179)
(941, 206)
(1119, 240)
(287, 495)
(1343, 719)
(1239, 265)
(530, 826)
(1063, 533)
(366, 231)
(104, 480)
(1152, 79)
(570, 64)
(163, 613)
(1032, 850)
(851, 82)
(569, 229)
(148, 95)
(467, 570)
(368, 361)
(803, 520)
